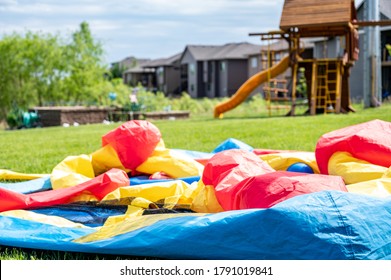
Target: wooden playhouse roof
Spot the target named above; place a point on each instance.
(318, 17)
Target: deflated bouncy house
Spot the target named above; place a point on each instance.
(134, 196)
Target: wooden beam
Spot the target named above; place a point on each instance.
(272, 35)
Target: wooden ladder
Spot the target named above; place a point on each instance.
(276, 95)
(328, 86)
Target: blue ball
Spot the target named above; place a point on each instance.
(300, 167)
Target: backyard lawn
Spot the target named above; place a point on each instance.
(39, 150)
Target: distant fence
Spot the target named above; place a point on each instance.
(58, 116)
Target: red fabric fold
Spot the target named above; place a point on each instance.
(134, 141)
(242, 181)
(264, 191)
(228, 168)
(369, 141)
(99, 186)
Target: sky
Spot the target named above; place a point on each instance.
(145, 28)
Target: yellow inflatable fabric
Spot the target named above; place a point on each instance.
(128, 224)
(11, 175)
(201, 198)
(387, 174)
(354, 170)
(133, 211)
(205, 201)
(379, 187)
(173, 193)
(106, 158)
(281, 161)
(73, 170)
(162, 160)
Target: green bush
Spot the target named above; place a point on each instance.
(14, 117)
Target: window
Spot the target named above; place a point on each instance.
(192, 68)
(222, 66)
(254, 62)
(160, 71)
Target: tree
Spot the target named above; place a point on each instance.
(15, 83)
(31, 67)
(117, 70)
(45, 64)
(84, 56)
(41, 69)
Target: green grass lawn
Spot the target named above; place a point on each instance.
(39, 150)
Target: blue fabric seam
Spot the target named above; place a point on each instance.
(340, 217)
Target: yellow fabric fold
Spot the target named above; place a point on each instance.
(387, 174)
(170, 194)
(354, 170)
(205, 201)
(73, 170)
(132, 212)
(105, 159)
(379, 187)
(281, 161)
(176, 167)
(11, 175)
(128, 225)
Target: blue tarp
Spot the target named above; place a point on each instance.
(318, 226)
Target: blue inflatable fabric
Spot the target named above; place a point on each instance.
(327, 225)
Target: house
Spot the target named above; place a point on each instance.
(207, 70)
(167, 74)
(161, 74)
(215, 70)
(139, 75)
(133, 73)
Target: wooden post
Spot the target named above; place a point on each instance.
(314, 85)
(338, 87)
(294, 81)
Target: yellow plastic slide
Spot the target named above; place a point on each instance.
(248, 87)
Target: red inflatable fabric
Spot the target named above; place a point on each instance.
(134, 142)
(99, 186)
(261, 152)
(228, 168)
(264, 191)
(370, 141)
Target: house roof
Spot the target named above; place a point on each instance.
(131, 62)
(221, 52)
(282, 45)
(309, 14)
(201, 52)
(139, 70)
(169, 61)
